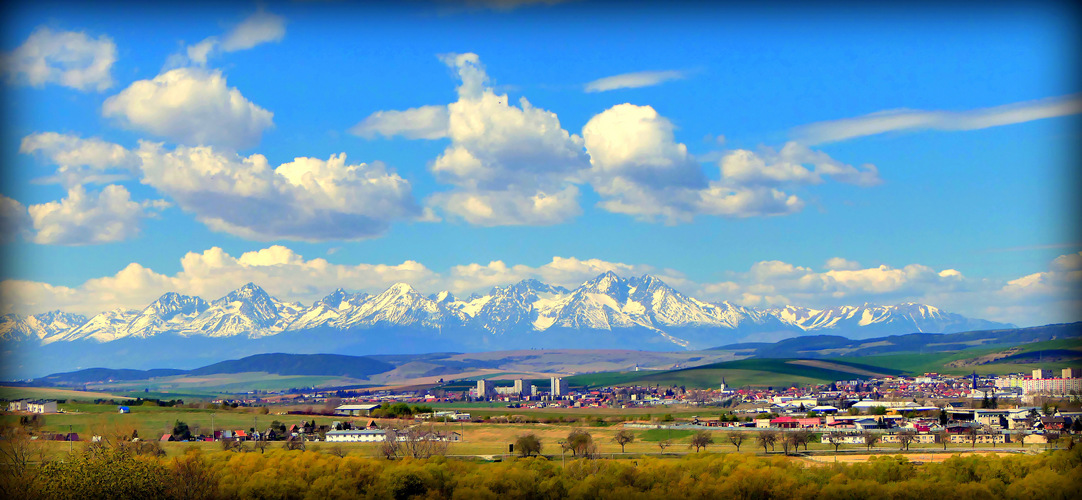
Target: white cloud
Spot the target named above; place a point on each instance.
(505, 208)
(787, 166)
(259, 28)
(425, 122)
(212, 274)
(191, 106)
(307, 199)
(1041, 298)
(640, 170)
(839, 263)
(509, 165)
(90, 218)
(633, 80)
(81, 161)
(915, 119)
(14, 219)
(69, 58)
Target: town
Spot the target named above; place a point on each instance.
(1032, 408)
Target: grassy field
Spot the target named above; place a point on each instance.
(477, 439)
(12, 393)
(741, 373)
(916, 363)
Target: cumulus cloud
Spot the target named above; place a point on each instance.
(69, 58)
(190, 106)
(14, 219)
(425, 122)
(307, 199)
(212, 274)
(640, 170)
(87, 218)
(508, 164)
(512, 164)
(633, 80)
(915, 119)
(80, 161)
(1040, 298)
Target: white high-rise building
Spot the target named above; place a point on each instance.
(484, 389)
(521, 389)
(559, 387)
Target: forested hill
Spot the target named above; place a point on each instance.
(277, 363)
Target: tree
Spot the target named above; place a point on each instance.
(944, 437)
(700, 440)
(802, 437)
(737, 438)
(766, 438)
(836, 439)
(413, 442)
(971, 436)
(580, 443)
(870, 439)
(878, 410)
(181, 431)
(788, 440)
(905, 437)
(528, 444)
(664, 443)
(623, 437)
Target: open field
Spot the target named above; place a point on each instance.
(477, 438)
(11, 393)
(741, 373)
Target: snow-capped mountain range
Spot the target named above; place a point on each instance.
(607, 311)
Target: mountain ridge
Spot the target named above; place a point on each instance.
(646, 305)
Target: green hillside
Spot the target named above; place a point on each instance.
(741, 373)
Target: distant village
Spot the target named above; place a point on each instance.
(931, 408)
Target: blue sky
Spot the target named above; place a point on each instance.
(814, 156)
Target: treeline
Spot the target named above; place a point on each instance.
(278, 473)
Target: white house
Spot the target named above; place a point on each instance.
(357, 436)
(41, 407)
(355, 410)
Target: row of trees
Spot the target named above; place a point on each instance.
(104, 472)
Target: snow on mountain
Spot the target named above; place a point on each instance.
(400, 305)
(607, 303)
(327, 310)
(245, 311)
(104, 327)
(38, 326)
(171, 312)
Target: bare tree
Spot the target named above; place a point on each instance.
(766, 438)
(623, 437)
(905, 437)
(17, 452)
(415, 441)
(788, 440)
(971, 436)
(737, 438)
(944, 437)
(664, 443)
(700, 440)
(338, 451)
(870, 439)
(261, 445)
(836, 439)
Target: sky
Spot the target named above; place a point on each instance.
(813, 155)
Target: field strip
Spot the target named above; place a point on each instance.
(827, 365)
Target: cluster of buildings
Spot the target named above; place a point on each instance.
(519, 389)
(32, 406)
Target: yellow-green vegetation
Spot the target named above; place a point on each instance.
(277, 473)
